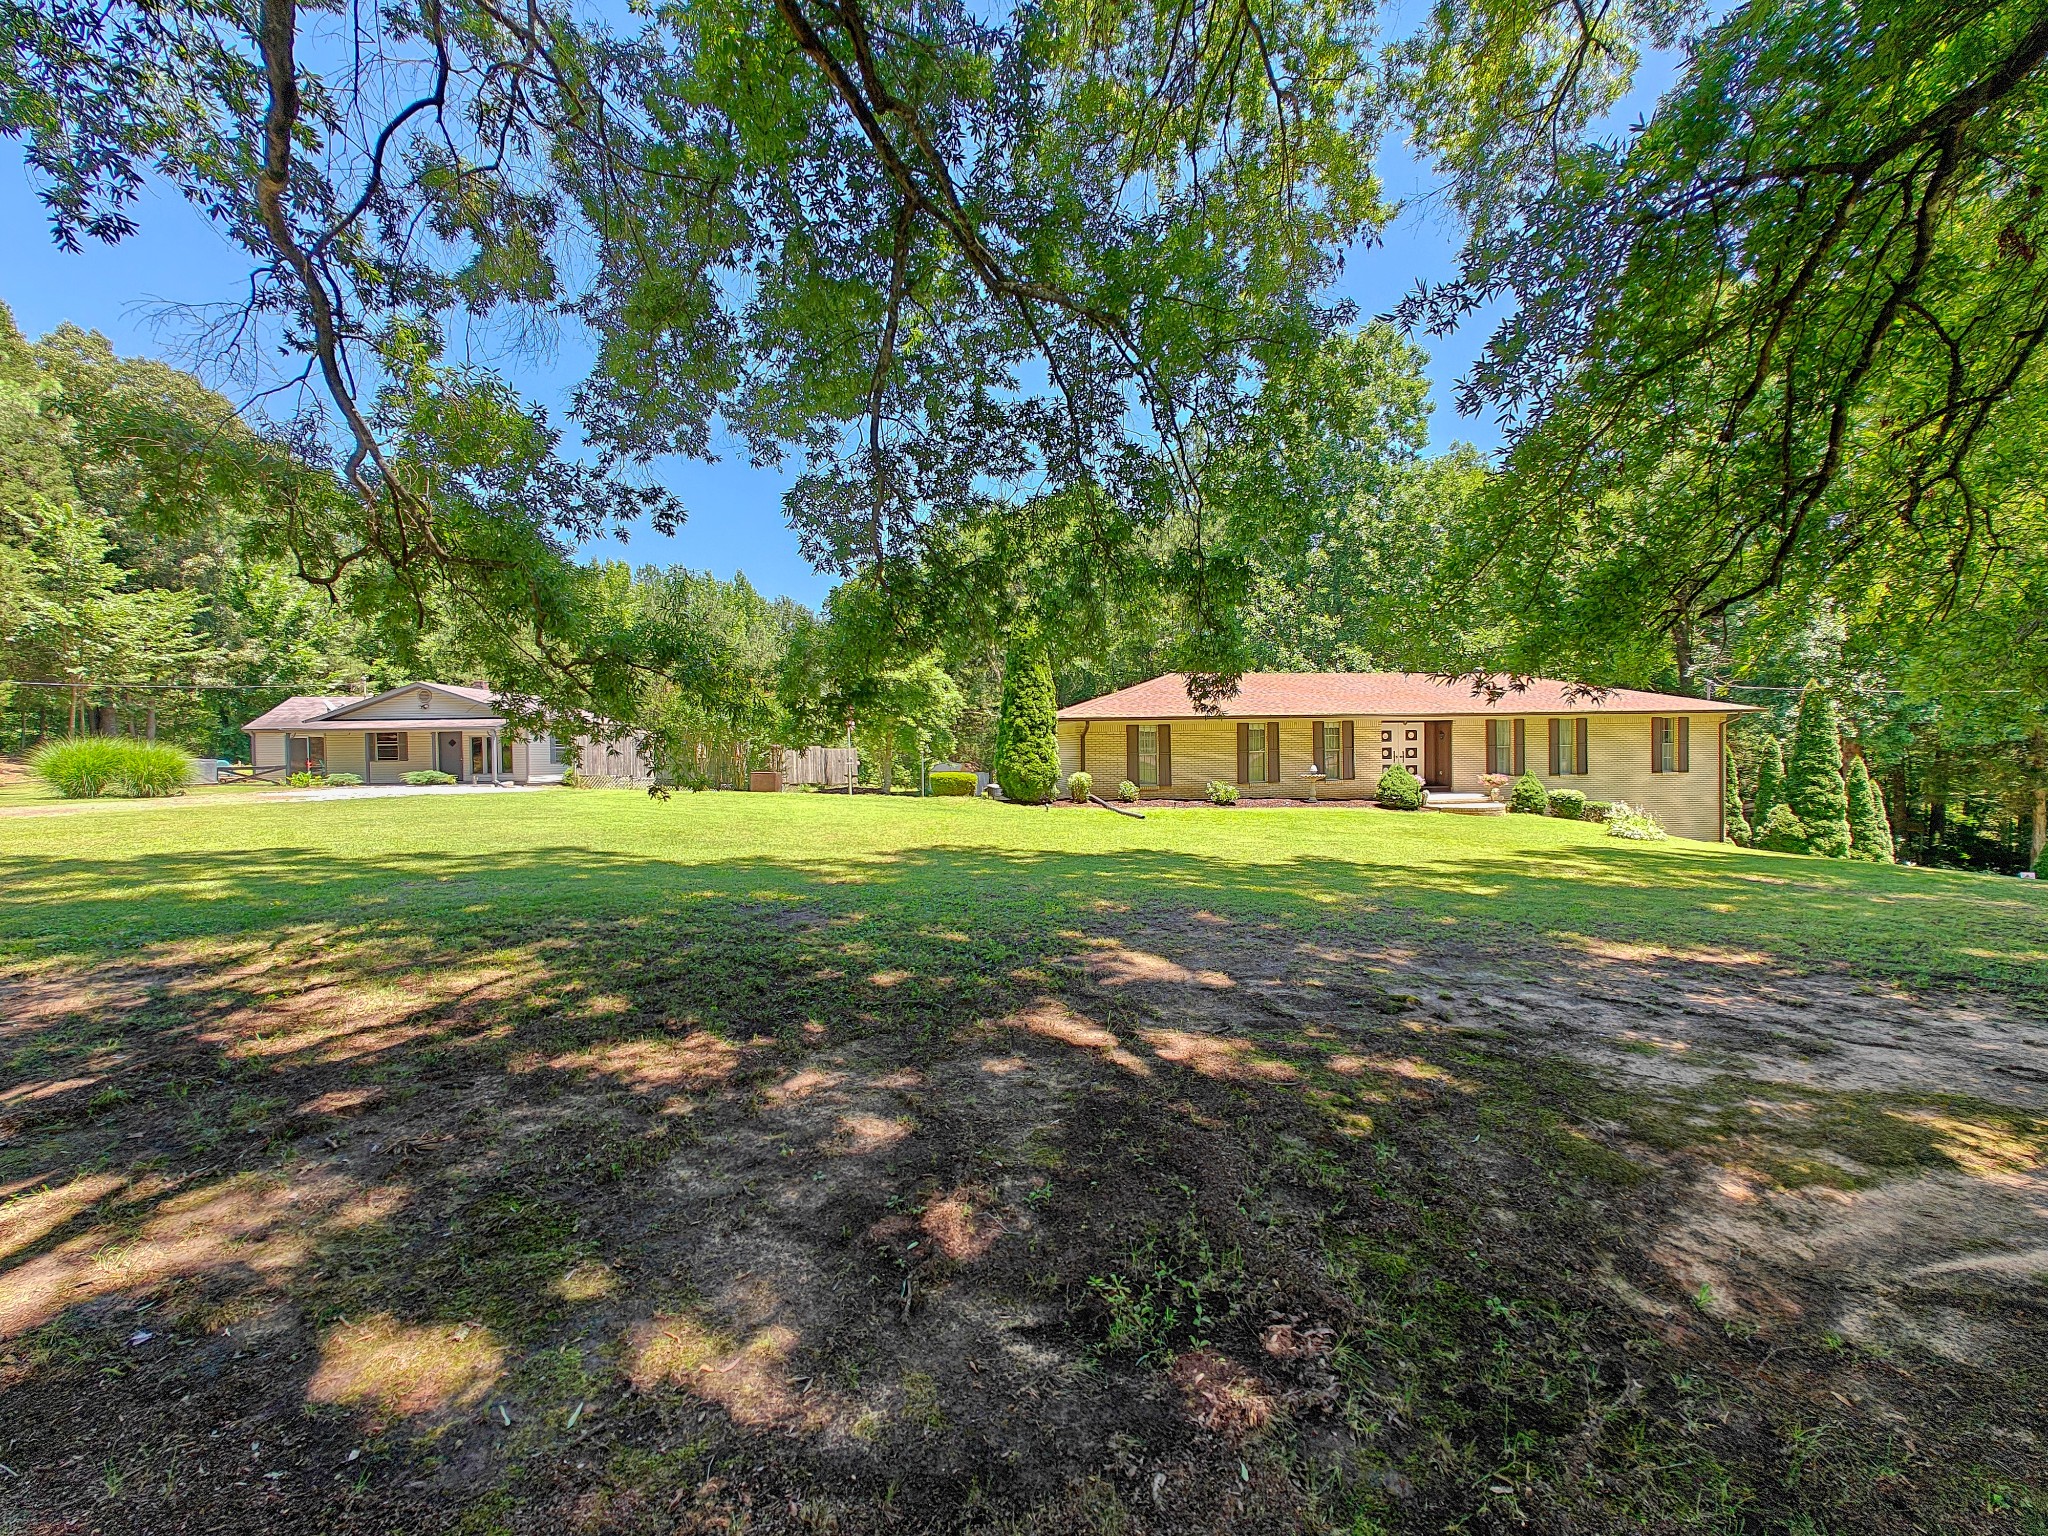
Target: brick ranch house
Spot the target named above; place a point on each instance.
(382, 737)
(1657, 750)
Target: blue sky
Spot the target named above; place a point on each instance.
(735, 521)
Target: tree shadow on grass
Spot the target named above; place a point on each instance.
(879, 1181)
(1907, 924)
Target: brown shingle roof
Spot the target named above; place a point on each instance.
(1312, 694)
(300, 708)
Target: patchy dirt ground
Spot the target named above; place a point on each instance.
(1184, 1226)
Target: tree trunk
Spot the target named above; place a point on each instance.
(2040, 840)
(888, 762)
(106, 720)
(152, 722)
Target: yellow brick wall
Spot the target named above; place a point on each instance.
(1617, 751)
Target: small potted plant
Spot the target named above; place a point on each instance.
(1496, 784)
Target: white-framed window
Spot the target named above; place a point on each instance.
(1568, 747)
(1255, 740)
(1148, 757)
(390, 747)
(1668, 739)
(1333, 749)
(558, 750)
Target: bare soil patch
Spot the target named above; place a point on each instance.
(760, 1225)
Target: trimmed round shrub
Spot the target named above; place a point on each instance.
(1079, 787)
(421, 777)
(1222, 792)
(1127, 792)
(1780, 832)
(1400, 790)
(1568, 804)
(1029, 767)
(953, 782)
(1528, 797)
(1596, 810)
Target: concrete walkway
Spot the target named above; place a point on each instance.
(246, 797)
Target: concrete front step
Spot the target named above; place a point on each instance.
(1464, 804)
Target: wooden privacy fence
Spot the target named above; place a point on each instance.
(823, 766)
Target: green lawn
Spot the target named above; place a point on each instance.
(129, 874)
(574, 1161)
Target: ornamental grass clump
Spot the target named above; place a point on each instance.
(88, 767)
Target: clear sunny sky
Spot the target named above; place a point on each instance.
(735, 521)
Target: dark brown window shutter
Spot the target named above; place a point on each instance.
(1272, 751)
(1656, 743)
(1131, 753)
(1492, 742)
(1521, 749)
(1165, 755)
(1581, 763)
(1244, 752)
(1350, 752)
(1315, 742)
(1556, 748)
(405, 746)
(1684, 744)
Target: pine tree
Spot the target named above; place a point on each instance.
(1869, 835)
(1813, 778)
(1029, 765)
(1770, 782)
(1734, 825)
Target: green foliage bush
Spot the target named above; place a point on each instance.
(1080, 786)
(1780, 832)
(425, 776)
(1734, 825)
(1400, 790)
(953, 781)
(1127, 792)
(1528, 797)
(1813, 777)
(343, 780)
(1222, 792)
(1596, 810)
(87, 767)
(1567, 804)
(1029, 768)
(1634, 823)
(1870, 835)
(1770, 783)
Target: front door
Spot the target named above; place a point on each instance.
(1436, 756)
(448, 754)
(1402, 746)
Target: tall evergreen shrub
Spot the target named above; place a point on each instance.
(1734, 825)
(1813, 778)
(1770, 783)
(1870, 836)
(1028, 766)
